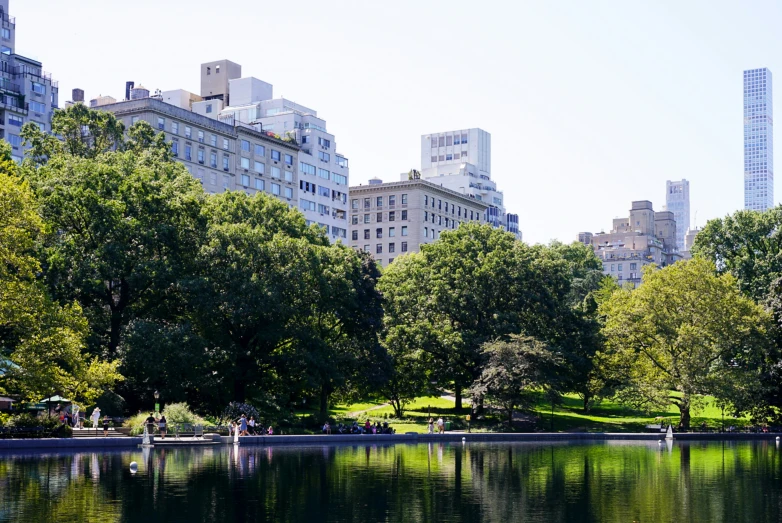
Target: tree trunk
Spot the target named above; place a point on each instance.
(324, 401)
(458, 396)
(240, 390)
(510, 418)
(587, 399)
(684, 409)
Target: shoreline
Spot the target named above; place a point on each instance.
(100, 443)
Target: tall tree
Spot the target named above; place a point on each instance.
(127, 219)
(684, 332)
(41, 341)
(476, 284)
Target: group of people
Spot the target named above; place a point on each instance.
(367, 428)
(249, 427)
(440, 425)
(161, 423)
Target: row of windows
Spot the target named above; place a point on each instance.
(306, 168)
(633, 267)
(446, 141)
(320, 190)
(379, 217)
(379, 201)
(449, 157)
(391, 248)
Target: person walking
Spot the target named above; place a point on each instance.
(95, 418)
(105, 425)
(150, 423)
(440, 425)
(251, 425)
(161, 424)
(431, 425)
(243, 426)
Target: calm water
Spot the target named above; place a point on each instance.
(602, 481)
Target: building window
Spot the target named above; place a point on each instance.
(633, 266)
(225, 143)
(275, 155)
(245, 163)
(307, 168)
(289, 159)
(391, 200)
(6, 33)
(366, 218)
(323, 142)
(226, 182)
(426, 232)
(213, 140)
(323, 173)
(354, 220)
(404, 230)
(4, 49)
(188, 152)
(404, 246)
(245, 146)
(275, 189)
(201, 156)
(379, 248)
(226, 163)
(379, 232)
(324, 157)
(288, 192)
(391, 232)
(367, 234)
(14, 140)
(14, 120)
(259, 184)
(379, 218)
(174, 128)
(276, 172)
(391, 216)
(213, 160)
(209, 108)
(404, 216)
(426, 200)
(161, 124)
(354, 235)
(340, 179)
(260, 167)
(245, 180)
(391, 248)
(289, 176)
(620, 267)
(354, 204)
(404, 199)
(175, 148)
(260, 150)
(188, 132)
(379, 201)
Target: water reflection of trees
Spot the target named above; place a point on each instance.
(474, 482)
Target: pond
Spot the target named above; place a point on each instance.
(443, 482)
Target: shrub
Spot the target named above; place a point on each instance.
(181, 413)
(234, 411)
(136, 423)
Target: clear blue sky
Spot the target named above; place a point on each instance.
(591, 104)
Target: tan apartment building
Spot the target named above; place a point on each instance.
(392, 219)
(643, 238)
(222, 156)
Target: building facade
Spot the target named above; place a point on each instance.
(222, 156)
(461, 161)
(758, 140)
(643, 238)
(392, 219)
(27, 92)
(677, 200)
(324, 172)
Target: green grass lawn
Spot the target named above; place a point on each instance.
(607, 416)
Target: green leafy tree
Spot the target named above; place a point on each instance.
(515, 370)
(127, 219)
(684, 332)
(41, 342)
(476, 284)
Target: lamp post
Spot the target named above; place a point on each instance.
(157, 405)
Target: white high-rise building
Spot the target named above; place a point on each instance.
(677, 200)
(461, 161)
(323, 172)
(758, 140)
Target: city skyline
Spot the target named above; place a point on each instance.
(558, 115)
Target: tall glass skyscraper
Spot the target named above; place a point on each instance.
(758, 140)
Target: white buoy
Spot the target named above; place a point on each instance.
(133, 467)
(777, 438)
(464, 439)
